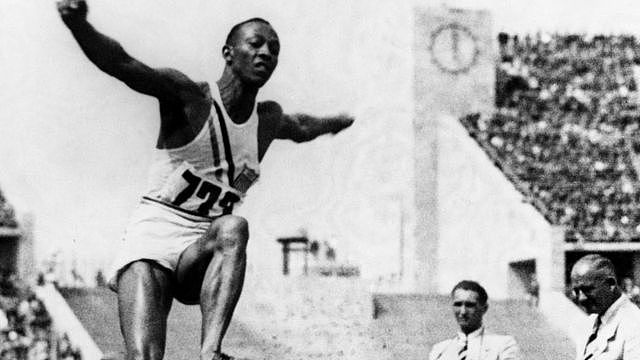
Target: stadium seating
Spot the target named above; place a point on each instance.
(7, 215)
(565, 130)
(26, 330)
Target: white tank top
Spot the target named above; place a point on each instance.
(206, 177)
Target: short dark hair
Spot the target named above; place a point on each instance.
(472, 286)
(236, 28)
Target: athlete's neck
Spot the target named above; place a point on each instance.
(238, 98)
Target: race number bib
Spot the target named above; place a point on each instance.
(187, 189)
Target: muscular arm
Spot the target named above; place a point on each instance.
(109, 56)
(301, 127)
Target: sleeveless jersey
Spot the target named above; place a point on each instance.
(207, 176)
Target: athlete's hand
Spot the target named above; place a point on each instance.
(72, 12)
(344, 121)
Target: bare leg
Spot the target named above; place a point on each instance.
(144, 301)
(212, 270)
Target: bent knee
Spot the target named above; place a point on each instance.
(233, 224)
(145, 271)
(229, 232)
(139, 269)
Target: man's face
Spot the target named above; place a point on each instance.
(254, 54)
(593, 290)
(468, 310)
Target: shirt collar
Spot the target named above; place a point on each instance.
(472, 335)
(611, 311)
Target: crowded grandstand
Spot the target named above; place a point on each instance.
(565, 130)
(7, 215)
(26, 328)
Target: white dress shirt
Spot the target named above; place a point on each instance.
(480, 346)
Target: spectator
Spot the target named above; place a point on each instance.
(100, 279)
(473, 342)
(630, 289)
(7, 215)
(614, 332)
(4, 321)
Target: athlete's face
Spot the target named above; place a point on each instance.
(253, 56)
(468, 310)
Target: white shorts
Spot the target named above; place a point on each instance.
(158, 234)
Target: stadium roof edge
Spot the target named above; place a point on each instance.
(10, 232)
(602, 246)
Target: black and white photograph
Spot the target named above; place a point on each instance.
(319, 179)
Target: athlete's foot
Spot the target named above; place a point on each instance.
(222, 356)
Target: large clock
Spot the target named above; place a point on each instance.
(454, 48)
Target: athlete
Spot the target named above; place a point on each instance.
(183, 241)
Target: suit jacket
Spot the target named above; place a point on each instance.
(618, 337)
(489, 347)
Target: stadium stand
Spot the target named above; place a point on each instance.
(7, 215)
(564, 130)
(26, 329)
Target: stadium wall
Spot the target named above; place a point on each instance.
(564, 314)
(486, 228)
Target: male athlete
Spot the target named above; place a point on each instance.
(183, 241)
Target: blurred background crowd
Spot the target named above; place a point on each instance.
(7, 215)
(565, 130)
(26, 331)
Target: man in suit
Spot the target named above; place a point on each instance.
(473, 342)
(614, 329)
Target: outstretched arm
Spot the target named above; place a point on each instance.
(301, 127)
(109, 56)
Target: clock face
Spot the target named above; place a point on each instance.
(454, 48)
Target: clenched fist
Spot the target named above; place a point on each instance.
(72, 11)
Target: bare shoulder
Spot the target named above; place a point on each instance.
(187, 89)
(271, 118)
(269, 110)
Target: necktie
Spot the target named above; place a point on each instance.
(589, 348)
(462, 353)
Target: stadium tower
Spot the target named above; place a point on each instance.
(471, 222)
